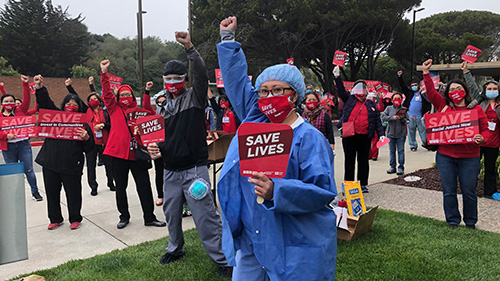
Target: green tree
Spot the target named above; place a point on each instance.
(6, 69)
(444, 37)
(309, 31)
(38, 37)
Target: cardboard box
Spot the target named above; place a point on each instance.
(357, 225)
(217, 149)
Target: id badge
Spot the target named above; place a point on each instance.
(225, 119)
(492, 125)
(417, 98)
(98, 134)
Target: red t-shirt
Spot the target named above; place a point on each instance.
(492, 138)
(229, 122)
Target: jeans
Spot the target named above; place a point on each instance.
(416, 122)
(466, 170)
(398, 144)
(21, 152)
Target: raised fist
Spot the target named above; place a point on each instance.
(464, 67)
(183, 38)
(38, 79)
(426, 66)
(149, 85)
(91, 80)
(104, 66)
(400, 73)
(228, 23)
(67, 82)
(24, 78)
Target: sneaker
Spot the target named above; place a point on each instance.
(470, 226)
(225, 271)
(159, 202)
(53, 226)
(391, 171)
(452, 226)
(101, 163)
(169, 258)
(93, 192)
(111, 187)
(75, 225)
(36, 196)
(496, 196)
(400, 172)
(186, 212)
(413, 149)
(364, 189)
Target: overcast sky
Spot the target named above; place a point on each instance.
(164, 17)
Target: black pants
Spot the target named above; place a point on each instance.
(73, 189)
(159, 176)
(490, 155)
(91, 166)
(356, 147)
(121, 168)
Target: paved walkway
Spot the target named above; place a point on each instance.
(98, 233)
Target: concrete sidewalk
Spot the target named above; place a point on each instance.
(98, 233)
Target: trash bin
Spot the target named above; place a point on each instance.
(13, 233)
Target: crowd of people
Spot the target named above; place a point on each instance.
(251, 240)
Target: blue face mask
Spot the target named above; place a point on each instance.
(491, 94)
(414, 88)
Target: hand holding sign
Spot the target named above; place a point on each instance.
(83, 134)
(382, 142)
(264, 186)
(471, 54)
(478, 139)
(11, 136)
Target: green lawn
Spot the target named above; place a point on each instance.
(399, 247)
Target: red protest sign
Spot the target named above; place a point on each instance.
(348, 85)
(290, 61)
(435, 81)
(115, 81)
(339, 58)
(264, 147)
(401, 111)
(151, 129)
(379, 87)
(383, 142)
(56, 124)
(135, 113)
(385, 88)
(471, 54)
(32, 88)
(21, 126)
(218, 79)
(452, 127)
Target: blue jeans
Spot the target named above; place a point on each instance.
(21, 152)
(467, 170)
(398, 144)
(416, 122)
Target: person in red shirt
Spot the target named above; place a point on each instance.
(457, 160)
(226, 118)
(120, 147)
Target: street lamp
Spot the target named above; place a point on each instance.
(140, 46)
(413, 43)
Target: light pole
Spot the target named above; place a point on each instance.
(413, 44)
(140, 46)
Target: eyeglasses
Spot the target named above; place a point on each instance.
(172, 78)
(458, 88)
(263, 93)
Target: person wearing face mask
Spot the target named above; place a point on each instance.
(396, 132)
(488, 100)
(292, 234)
(62, 161)
(16, 149)
(121, 149)
(366, 118)
(418, 105)
(185, 158)
(457, 160)
(316, 116)
(226, 118)
(100, 123)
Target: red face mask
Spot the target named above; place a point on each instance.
(396, 102)
(224, 104)
(457, 96)
(312, 105)
(360, 97)
(175, 88)
(9, 106)
(94, 103)
(276, 108)
(71, 108)
(127, 101)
